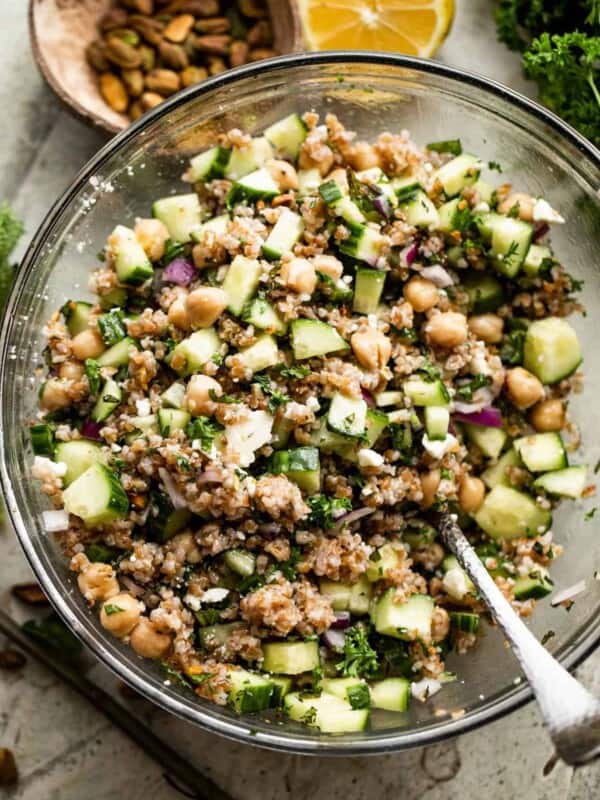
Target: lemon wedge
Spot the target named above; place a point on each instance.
(414, 27)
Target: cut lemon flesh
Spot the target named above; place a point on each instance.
(414, 27)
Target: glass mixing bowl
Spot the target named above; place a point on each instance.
(370, 92)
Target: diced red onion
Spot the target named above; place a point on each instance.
(91, 430)
(131, 585)
(210, 475)
(180, 271)
(55, 521)
(438, 275)
(334, 640)
(353, 516)
(568, 594)
(540, 230)
(175, 496)
(381, 204)
(342, 620)
(368, 398)
(408, 255)
(487, 417)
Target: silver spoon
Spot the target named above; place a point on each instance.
(570, 712)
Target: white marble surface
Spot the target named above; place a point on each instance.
(65, 749)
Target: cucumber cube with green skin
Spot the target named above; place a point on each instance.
(383, 559)
(497, 474)
(171, 420)
(508, 514)
(350, 213)
(509, 240)
(287, 135)
(569, 482)
(344, 687)
(77, 316)
(364, 244)
(241, 562)
(42, 440)
(489, 440)
(390, 694)
(375, 424)
(419, 535)
(542, 452)
(485, 191)
(484, 291)
(290, 658)
(458, 173)
(78, 455)
(368, 290)
(282, 686)
(309, 181)
(405, 188)
(217, 225)
(115, 298)
(301, 466)
(532, 586)
(337, 593)
(464, 621)
(258, 185)
(164, 520)
(249, 692)
(174, 396)
(437, 420)
(96, 496)
(409, 620)
(181, 214)
(132, 265)
(551, 350)
(361, 595)
(327, 713)
(109, 398)
(347, 415)
(118, 354)
(426, 393)
(420, 211)
(192, 353)
(448, 216)
(244, 160)
(312, 337)
(262, 354)
(537, 257)
(389, 398)
(284, 235)
(208, 165)
(241, 282)
(212, 636)
(260, 313)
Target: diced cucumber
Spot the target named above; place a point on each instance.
(465, 621)
(509, 239)
(109, 398)
(132, 265)
(241, 282)
(258, 185)
(78, 455)
(347, 415)
(542, 452)
(376, 423)
(118, 354)
(249, 692)
(437, 419)
(420, 211)
(419, 535)
(389, 398)
(260, 313)
(331, 193)
(309, 181)
(458, 173)
(42, 440)
(164, 520)
(485, 292)
(485, 191)
(327, 713)
(390, 694)
(217, 225)
(244, 160)
(212, 636)
(144, 426)
(192, 353)
(329, 441)
(532, 586)
(551, 350)
(77, 316)
(426, 393)
(408, 620)
(111, 327)
(489, 440)
(536, 259)
(383, 559)
(569, 482)
(174, 396)
(262, 354)
(301, 466)
(337, 593)
(284, 235)
(287, 135)
(368, 289)
(448, 215)
(181, 214)
(249, 435)
(312, 337)
(346, 689)
(96, 496)
(364, 244)
(208, 165)
(242, 562)
(115, 298)
(405, 188)
(349, 212)
(290, 658)
(456, 581)
(282, 686)
(360, 596)
(508, 514)
(496, 474)
(171, 420)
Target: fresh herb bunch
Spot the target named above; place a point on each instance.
(561, 52)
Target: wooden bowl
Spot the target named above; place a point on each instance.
(60, 31)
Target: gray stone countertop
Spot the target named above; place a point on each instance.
(66, 750)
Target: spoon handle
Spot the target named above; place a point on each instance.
(570, 712)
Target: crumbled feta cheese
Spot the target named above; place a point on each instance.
(424, 689)
(543, 212)
(479, 364)
(439, 447)
(245, 437)
(369, 458)
(313, 404)
(214, 595)
(456, 583)
(44, 468)
(192, 601)
(481, 208)
(143, 406)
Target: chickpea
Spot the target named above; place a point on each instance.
(487, 327)
(372, 348)
(71, 370)
(152, 234)
(97, 581)
(197, 397)
(471, 493)
(299, 275)
(55, 394)
(178, 314)
(329, 265)
(523, 388)
(124, 614)
(524, 201)
(429, 486)
(284, 174)
(547, 416)
(440, 624)
(421, 293)
(88, 344)
(363, 156)
(147, 642)
(205, 305)
(448, 329)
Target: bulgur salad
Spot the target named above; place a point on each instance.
(288, 371)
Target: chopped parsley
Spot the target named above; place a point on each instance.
(173, 250)
(466, 391)
(310, 716)
(403, 441)
(223, 398)
(511, 351)
(360, 660)
(547, 636)
(453, 146)
(276, 397)
(591, 514)
(183, 463)
(111, 608)
(208, 616)
(358, 696)
(494, 166)
(295, 373)
(431, 371)
(174, 675)
(204, 430)
(324, 510)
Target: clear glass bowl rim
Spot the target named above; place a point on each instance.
(277, 741)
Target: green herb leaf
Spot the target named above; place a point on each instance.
(360, 660)
(466, 390)
(276, 397)
(92, 371)
(324, 510)
(205, 430)
(358, 696)
(453, 146)
(111, 608)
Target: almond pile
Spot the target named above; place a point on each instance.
(149, 49)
